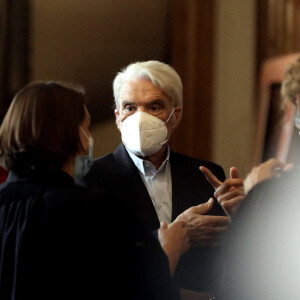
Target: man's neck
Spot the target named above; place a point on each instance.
(158, 158)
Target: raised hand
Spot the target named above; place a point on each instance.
(228, 193)
(270, 168)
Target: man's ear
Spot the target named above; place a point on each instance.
(117, 114)
(177, 115)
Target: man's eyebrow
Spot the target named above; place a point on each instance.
(127, 102)
(156, 101)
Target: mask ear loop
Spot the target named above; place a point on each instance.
(170, 116)
(164, 142)
(90, 138)
(83, 132)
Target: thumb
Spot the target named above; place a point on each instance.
(234, 173)
(204, 207)
(163, 225)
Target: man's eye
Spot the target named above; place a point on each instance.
(129, 108)
(155, 108)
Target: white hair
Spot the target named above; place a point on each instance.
(160, 74)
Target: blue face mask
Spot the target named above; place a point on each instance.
(83, 163)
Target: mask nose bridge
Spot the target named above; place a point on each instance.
(142, 108)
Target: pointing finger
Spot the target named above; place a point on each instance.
(211, 178)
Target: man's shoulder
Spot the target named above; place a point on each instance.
(103, 160)
(190, 160)
(106, 169)
(100, 173)
(109, 159)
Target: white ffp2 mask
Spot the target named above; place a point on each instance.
(144, 134)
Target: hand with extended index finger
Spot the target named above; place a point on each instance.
(211, 178)
(230, 192)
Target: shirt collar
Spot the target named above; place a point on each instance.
(145, 166)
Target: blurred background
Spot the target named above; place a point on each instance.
(220, 48)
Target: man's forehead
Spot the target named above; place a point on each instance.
(139, 85)
(141, 90)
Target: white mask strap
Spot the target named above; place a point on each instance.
(162, 143)
(84, 132)
(90, 138)
(170, 115)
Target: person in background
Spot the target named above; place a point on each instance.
(63, 241)
(158, 184)
(262, 245)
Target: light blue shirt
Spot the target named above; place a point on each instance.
(158, 183)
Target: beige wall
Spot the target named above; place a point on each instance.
(88, 41)
(106, 137)
(80, 40)
(234, 121)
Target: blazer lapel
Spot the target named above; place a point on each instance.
(180, 197)
(132, 182)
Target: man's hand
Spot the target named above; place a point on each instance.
(174, 240)
(230, 192)
(204, 230)
(270, 168)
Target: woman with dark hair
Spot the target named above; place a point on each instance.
(59, 240)
(40, 129)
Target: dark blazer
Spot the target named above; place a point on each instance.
(117, 172)
(62, 241)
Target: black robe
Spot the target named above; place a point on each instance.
(62, 241)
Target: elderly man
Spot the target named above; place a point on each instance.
(157, 183)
